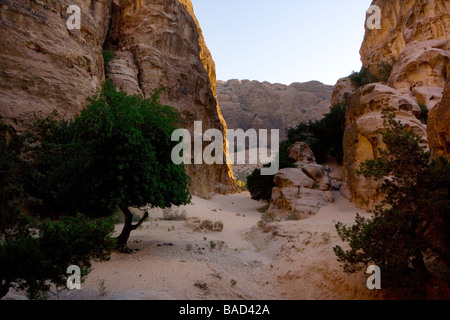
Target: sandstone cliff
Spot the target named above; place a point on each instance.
(415, 39)
(156, 43)
(252, 104)
(439, 126)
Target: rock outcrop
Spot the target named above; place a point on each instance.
(415, 34)
(300, 192)
(439, 126)
(159, 43)
(156, 43)
(363, 139)
(414, 38)
(251, 104)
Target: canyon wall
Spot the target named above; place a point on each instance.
(261, 105)
(415, 39)
(156, 43)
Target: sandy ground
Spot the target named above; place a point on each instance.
(285, 260)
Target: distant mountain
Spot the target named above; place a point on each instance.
(262, 105)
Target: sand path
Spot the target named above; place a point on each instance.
(285, 260)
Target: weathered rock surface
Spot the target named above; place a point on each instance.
(45, 66)
(251, 104)
(362, 137)
(157, 43)
(404, 22)
(341, 91)
(439, 126)
(301, 191)
(415, 39)
(416, 36)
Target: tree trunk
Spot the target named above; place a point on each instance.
(122, 239)
(4, 287)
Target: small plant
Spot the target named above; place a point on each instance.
(174, 215)
(212, 226)
(326, 237)
(108, 56)
(242, 185)
(423, 114)
(294, 216)
(233, 282)
(264, 209)
(269, 217)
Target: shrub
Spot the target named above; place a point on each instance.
(324, 137)
(108, 56)
(423, 114)
(173, 215)
(414, 220)
(216, 226)
(364, 76)
(35, 254)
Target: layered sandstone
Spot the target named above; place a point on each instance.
(156, 43)
(415, 39)
(251, 104)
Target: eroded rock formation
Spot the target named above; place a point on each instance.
(415, 39)
(300, 192)
(156, 43)
(251, 104)
(363, 139)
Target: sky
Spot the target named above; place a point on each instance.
(283, 41)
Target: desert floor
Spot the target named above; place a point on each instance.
(283, 260)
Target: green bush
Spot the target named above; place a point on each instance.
(108, 56)
(414, 220)
(364, 76)
(35, 255)
(259, 186)
(324, 137)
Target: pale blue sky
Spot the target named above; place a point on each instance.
(283, 41)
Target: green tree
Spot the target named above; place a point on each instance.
(115, 155)
(35, 254)
(414, 218)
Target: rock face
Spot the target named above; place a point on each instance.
(45, 66)
(159, 43)
(156, 43)
(341, 91)
(414, 38)
(301, 192)
(362, 137)
(251, 104)
(439, 126)
(416, 35)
